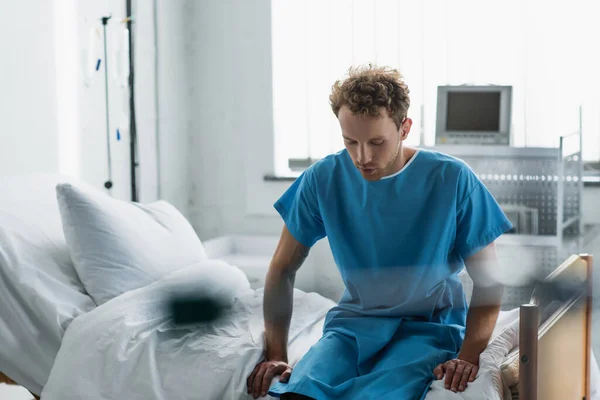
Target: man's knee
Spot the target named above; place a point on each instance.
(295, 396)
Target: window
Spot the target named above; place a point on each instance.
(544, 50)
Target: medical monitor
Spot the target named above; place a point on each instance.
(473, 115)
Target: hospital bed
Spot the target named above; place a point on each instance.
(58, 344)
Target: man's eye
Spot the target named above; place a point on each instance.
(350, 141)
(377, 142)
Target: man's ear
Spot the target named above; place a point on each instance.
(405, 128)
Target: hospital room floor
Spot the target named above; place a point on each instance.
(592, 246)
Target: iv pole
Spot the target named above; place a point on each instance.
(134, 163)
(108, 184)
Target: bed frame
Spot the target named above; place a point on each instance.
(554, 354)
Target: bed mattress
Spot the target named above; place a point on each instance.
(129, 348)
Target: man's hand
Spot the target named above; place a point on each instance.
(481, 319)
(259, 381)
(458, 373)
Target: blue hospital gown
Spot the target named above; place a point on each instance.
(399, 244)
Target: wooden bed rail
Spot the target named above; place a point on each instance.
(554, 355)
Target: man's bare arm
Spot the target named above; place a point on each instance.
(485, 304)
(278, 296)
(481, 320)
(277, 308)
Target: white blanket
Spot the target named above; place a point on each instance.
(127, 348)
(40, 292)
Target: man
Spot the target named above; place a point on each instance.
(401, 223)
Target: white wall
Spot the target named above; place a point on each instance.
(163, 106)
(146, 98)
(28, 109)
(174, 106)
(232, 121)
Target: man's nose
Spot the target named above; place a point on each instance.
(364, 155)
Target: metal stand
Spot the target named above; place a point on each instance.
(134, 164)
(108, 184)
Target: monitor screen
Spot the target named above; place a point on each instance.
(473, 111)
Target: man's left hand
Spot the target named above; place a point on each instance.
(458, 373)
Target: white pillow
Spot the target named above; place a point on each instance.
(40, 292)
(118, 246)
(213, 279)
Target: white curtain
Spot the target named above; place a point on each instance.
(545, 50)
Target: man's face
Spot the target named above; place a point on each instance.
(373, 143)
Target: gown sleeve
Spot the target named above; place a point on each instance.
(480, 219)
(299, 208)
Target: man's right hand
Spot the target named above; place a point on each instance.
(259, 381)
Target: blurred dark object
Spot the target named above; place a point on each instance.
(190, 309)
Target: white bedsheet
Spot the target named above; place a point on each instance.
(40, 292)
(488, 385)
(128, 349)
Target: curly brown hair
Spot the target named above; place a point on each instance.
(369, 88)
